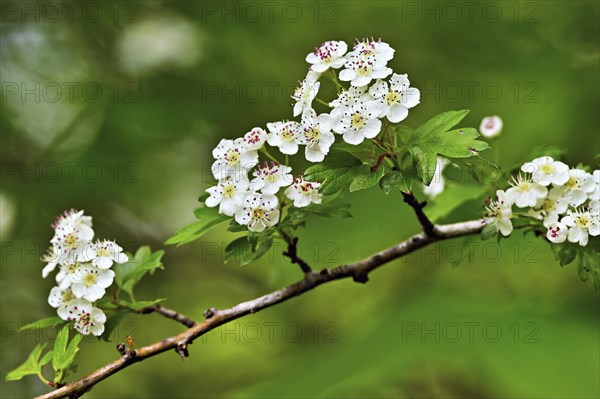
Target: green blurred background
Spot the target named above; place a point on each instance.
(148, 88)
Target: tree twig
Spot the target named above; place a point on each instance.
(169, 313)
(428, 226)
(292, 252)
(358, 271)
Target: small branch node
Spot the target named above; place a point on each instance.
(210, 312)
(182, 350)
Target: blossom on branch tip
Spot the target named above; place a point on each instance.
(366, 62)
(557, 232)
(316, 135)
(358, 121)
(578, 187)
(285, 135)
(254, 139)
(228, 194)
(232, 158)
(524, 192)
(303, 192)
(491, 126)
(546, 171)
(329, 55)
(102, 254)
(269, 178)
(499, 212)
(306, 93)
(396, 98)
(258, 211)
(91, 282)
(582, 223)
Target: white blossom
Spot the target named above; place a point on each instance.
(258, 211)
(557, 232)
(366, 62)
(285, 135)
(61, 298)
(90, 282)
(546, 171)
(491, 126)
(396, 98)
(254, 139)
(88, 318)
(306, 92)
(269, 178)
(102, 254)
(228, 194)
(358, 121)
(232, 159)
(499, 213)
(303, 192)
(578, 187)
(552, 206)
(524, 192)
(67, 273)
(582, 223)
(329, 55)
(316, 135)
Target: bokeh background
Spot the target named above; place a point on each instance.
(113, 107)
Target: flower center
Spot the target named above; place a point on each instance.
(89, 279)
(392, 97)
(232, 157)
(271, 178)
(547, 168)
(72, 268)
(258, 213)
(103, 252)
(287, 134)
(583, 221)
(67, 296)
(572, 183)
(549, 205)
(312, 134)
(71, 241)
(358, 120)
(229, 191)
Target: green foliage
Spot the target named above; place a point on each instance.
(336, 172)
(365, 178)
(207, 219)
(143, 262)
(33, 364)
(249, 248)
(433, 138)
(394, 180)
(43, 323)
(64, 352)
(453, 196)
(587, 266)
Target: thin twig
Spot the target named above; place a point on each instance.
(171, 314)
(292, 252)
(428, 226)
(358, 271)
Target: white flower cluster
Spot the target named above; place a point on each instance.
(355, 115)
(566, 200)
(84, 271)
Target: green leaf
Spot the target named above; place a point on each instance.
(145, 261)
(245, 251)
(564, 253)
(434, 138)
(43, 323)
(207, 219)
(330, 210)
(33, 364)
(335, 173)
(403, 132)
(139, 305)
(394, 180)
(364, 178)
(64, 352)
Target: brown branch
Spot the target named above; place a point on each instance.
(358, 271)
(428, 226)
(292, 252)
(169, 313)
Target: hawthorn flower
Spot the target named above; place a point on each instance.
(303, 192)
(88, 318)
(525, 192)
(51, 258)
(61, 298)
(78, 219)
(491, 126)
(351, 96)
(395, 99)
(438, 183)
(67, 274)
(583, 224)
(232, 158)
(577, 188)
(552, 206)
(306, 93)
(228, 194)
(316, 135)
(557, 232)
(69, 239)
(270, 178)
(329, 55)
(546, 171)
(258, 211)
(358, 121)
(91, 282)
(366, 62)
(73, 309)
(285, 135)
(103, 254)
(254, 139)
(499, 212)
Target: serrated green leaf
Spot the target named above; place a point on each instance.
(364, 178)
(335, 173)
(207, 219)
(33, 364)
(433, 138)
(394, 180)
(63, 353)
(43, 323)
(244, 251)
(144, 262)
